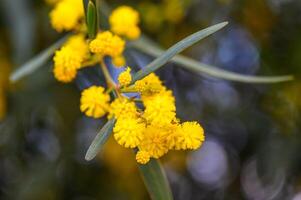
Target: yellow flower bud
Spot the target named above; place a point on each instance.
(66, 63)
(107, 44)
(142, 157)
(66, 15)
(124, 21)
(191, 136)
(94, 102)
(128, 131)
(125, 77)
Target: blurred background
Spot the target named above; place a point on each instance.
(253, 138)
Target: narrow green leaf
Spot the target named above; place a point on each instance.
(100, 139)
(155, 180)
(92, 19)
(175, 49)
(147, 46)
(36, 62)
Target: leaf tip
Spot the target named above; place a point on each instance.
(89, 156)
(290, 78)
(223, 24)
(13, 78)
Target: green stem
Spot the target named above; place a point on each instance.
(110, 82)
(128, 90)
(93, 61)
(110, 90)
(107, 74)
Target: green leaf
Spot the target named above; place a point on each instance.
(92, 19)
(100, 139)
(155, 180)
(175, 49)
(36, 62)
(147, 46)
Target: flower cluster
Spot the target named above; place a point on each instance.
(153, 127)
(78, 52)
(146, 122)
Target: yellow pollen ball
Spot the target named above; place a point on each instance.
(107, 44)
(66, 15)
(125, 77)
(172, 139)
(94, 101)
(78, 43)
(160, 108)
(122, 107)
(124, 21)
(149, 84)
(154, 141)
(191, 136)
(142, 157)
(128, 132)
(66, 63)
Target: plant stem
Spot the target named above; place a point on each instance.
(129, 89)
(110, 82)
(107, 74)
(93, 61)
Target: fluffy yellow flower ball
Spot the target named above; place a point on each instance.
(191, 136)
(64, 74)
(154, 141)
(107, 44)
(149, 84)
(125, 77)
(66, 63)
(172, 138)
(122, 107)
(66, 15)
(160, 108)
(124, 21)
(128, 132)
(78, 43)
(94, 102)
(142, 157)
(168, 96)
